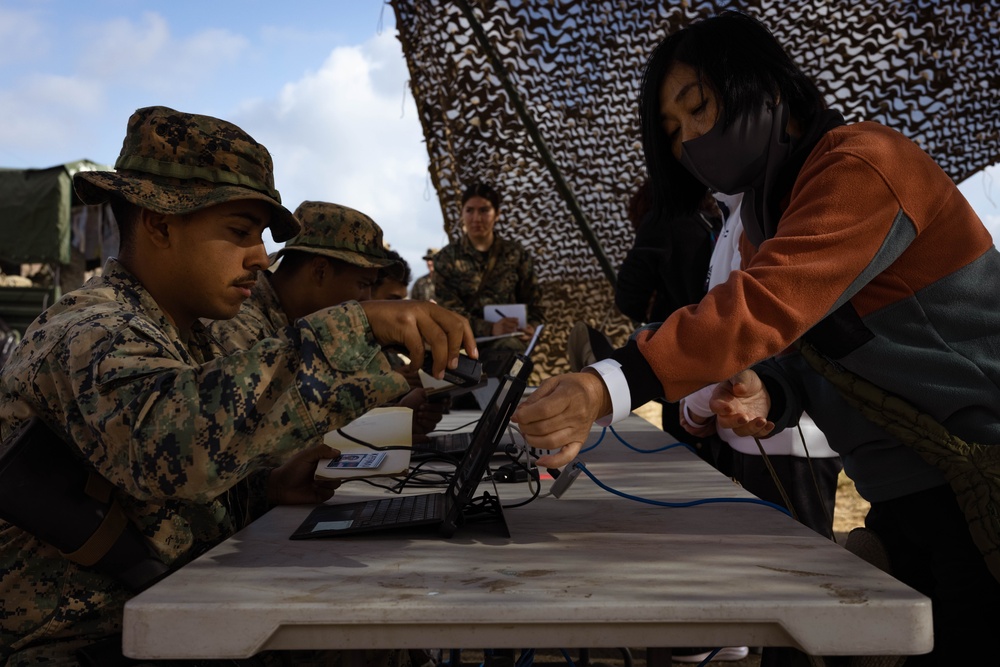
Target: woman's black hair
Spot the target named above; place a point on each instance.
(742, 62)
(482, 190)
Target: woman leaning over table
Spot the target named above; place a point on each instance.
(855, 241)
(483, 268)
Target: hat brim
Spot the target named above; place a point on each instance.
(355, 258)
(173, 196)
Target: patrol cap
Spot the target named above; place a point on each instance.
(178, 163)
(340, 232)
(429, 255)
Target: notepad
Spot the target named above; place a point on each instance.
(497, 312)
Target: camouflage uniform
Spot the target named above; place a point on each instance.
(185, 436)
(423, 288)
(260, 317)
(458, 272)
(330, 230)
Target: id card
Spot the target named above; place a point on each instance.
(360, 460)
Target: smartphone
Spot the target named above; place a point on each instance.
(468, 373)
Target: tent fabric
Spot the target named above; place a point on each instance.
(930, 69)
(35, 209)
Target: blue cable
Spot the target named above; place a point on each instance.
(708, 659)
(526, 659)
(689, 503)
(651, 451)
(567, 658)
(587, 449)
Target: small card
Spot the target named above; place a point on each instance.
(358, 460)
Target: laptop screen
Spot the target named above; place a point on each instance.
(487, 434)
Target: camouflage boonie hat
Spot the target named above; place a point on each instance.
(429, 255)
(337, 231)
(177, 163)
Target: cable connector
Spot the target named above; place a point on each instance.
(568, 476)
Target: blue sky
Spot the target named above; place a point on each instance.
(322, 84)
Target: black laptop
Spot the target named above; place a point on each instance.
(453, 445)
(447, 509)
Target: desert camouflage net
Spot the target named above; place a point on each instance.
(929, 69)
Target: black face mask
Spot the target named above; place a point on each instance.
(743, 158)
(731, 160)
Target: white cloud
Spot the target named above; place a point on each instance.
(349, 133)
(992, 223)
(144, 55)
(22, 38)
(48, 109)
(983, 192)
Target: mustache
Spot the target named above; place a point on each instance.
(248, 278)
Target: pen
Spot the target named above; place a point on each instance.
(499, 313)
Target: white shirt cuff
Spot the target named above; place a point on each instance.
(617, 386)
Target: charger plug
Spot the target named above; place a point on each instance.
(514, 473)
(563, 481)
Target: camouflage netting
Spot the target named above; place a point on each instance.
(929, 69)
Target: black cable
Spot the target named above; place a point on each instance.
(457, 428)
(383, 448)
(512, 451)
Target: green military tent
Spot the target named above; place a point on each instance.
(36, 207)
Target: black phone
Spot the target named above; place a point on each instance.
(468, 373)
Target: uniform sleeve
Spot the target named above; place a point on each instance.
(166, 427)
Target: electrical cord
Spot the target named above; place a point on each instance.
(513, 452)
(648, 451)
(364, 443)
(587, 449)
(689, 503)
(457, 428)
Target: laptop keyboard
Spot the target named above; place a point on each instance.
(403, 509)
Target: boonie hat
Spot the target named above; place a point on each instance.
(177, 163)
(429, 255)
(340, 232)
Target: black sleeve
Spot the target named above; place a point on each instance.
(638, 278)
(643, 385)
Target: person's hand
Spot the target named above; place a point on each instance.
(413, 323)
(741, 403)
(412, 375)
(292, 483)
(426, 414)
(527, 332)
(505, 325)
(558, 415)
(699, 429)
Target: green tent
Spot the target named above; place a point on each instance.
(35, 215)
(35, 212)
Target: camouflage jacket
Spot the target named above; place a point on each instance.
(185, 435)
(460, 283)
(423, 288)
(261, 316)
